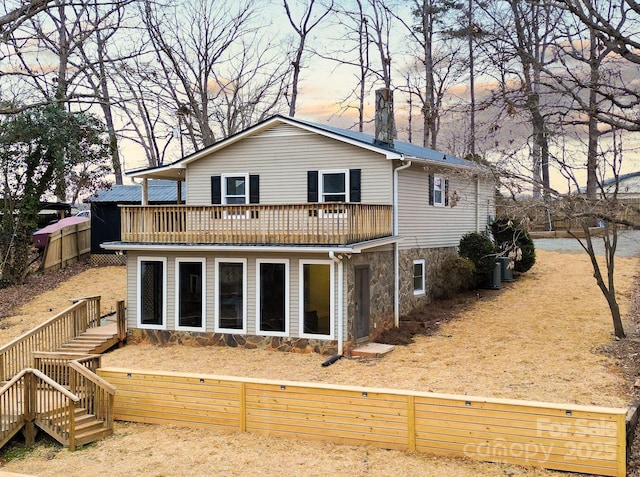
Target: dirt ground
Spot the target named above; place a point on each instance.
(545, 337)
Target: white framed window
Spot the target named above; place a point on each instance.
(272, 297)
(190, 294)
(235, 189)
(317, 298)
(418, 277)
(334, 185)
(438, 190)
(231, 295)
(152, 293)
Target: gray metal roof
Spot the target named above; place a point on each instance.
(159, 191)
(399, 147)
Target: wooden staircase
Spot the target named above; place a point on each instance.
(48, 380)
(89, 428)
(93, 341)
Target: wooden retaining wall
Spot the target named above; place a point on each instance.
(567, 437)
(66, 246)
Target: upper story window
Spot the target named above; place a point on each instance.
(438, 196)
(438, 190)
(342, 185)
(334, 186)
(234, 189)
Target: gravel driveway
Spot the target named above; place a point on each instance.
(628, 244)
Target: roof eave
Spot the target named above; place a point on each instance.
(164, 247)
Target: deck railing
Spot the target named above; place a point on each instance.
(49, 336)
(329, 223)
(96, 395)
(31, 398)
(56, 364)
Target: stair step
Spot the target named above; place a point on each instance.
(89, 426)
(92, 436)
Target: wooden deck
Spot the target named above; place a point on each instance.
(331, 223)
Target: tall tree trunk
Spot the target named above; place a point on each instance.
(105, 104)
(472, 88)
(592, 150)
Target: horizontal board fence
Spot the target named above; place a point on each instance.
(567, 437)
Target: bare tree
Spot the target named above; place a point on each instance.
(251, 88)
(75, 36)
(190, 46)
(303, 28)
(14, 15)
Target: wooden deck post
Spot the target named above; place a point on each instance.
(121, 321)
(29, 403)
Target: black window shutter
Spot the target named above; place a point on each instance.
(354, 185)
(216, 190)
(430, 189)
(312, 186)
(254, 189)
(446, 192)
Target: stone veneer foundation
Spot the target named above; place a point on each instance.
(188, 338)
(381, 292)
(433, 257)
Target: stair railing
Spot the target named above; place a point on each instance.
(49, 336)
(96, 395)
(53, 408)
(12, 407)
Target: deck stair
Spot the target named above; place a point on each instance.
(48, 380)
(93, 341)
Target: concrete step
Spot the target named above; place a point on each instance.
(372, 350)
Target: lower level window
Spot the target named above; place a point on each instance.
(317, 299)
(151, 292)
(231, 295)
(418, 277)
(190, 294)
(273, 297)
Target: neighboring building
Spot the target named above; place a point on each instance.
(628, 185)
(105, 208)
(296, 235)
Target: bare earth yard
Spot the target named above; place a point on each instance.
(543, 338)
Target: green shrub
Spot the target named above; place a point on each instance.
(480, 250)
(513, 241)
(453, 275)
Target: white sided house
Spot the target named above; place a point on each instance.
(295, 235)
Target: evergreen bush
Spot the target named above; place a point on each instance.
(480, 250)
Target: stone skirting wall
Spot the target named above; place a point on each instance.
(381, 292)
(433, 257)
(189, 338)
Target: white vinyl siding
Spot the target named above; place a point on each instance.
(423, 226)
(281, 157)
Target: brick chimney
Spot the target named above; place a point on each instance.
(385, 124)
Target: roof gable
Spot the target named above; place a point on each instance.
(399, 149)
